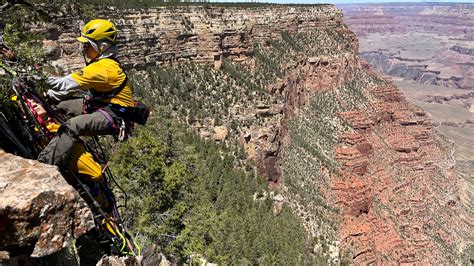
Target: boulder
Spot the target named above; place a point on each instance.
(40, 213)
(149, 257)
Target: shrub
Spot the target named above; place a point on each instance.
(187, 197)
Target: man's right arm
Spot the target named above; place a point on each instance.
(62, 87)
(88, 77)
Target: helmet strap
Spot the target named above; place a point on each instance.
(100, 47)
(103, 46)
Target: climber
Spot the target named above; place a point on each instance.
(82, 161)
(110, 110)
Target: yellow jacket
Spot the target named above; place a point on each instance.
(103, 76)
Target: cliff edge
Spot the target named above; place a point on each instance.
(40, 213)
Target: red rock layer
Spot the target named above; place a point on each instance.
(396, 189)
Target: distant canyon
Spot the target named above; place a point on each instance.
(427, 50)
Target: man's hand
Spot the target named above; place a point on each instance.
(53, 95)
(52, 81)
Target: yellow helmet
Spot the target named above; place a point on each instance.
(98, 30)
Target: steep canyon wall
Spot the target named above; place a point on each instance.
(429, 43)
(168, 36)
(361, 167)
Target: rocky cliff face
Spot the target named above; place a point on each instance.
(167, 36)
(383, 176)
(429, 43)
(40, 213)
(426, 43)
(359, 165)
(443, 18)
(395, 162)
(158, 36)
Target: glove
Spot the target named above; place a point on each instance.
(53, 81)
(61, 88)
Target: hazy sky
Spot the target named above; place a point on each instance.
(347, 1)
(391, 1)
(398, 1)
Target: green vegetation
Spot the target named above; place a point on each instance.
(24, 44)
(17, 35)
(213, 201)
(308, 160)
(186, 196)
(26, 47)
(191, 196)
(197, 93)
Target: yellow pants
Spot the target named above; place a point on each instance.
(83, 162)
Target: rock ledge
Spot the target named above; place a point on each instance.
(40, 213)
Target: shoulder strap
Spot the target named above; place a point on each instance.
(115, 91)
(111, 94)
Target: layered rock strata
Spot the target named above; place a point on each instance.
(167, 36)
(430, 43)
(374, 163)
(397, 188)
(361, 167)
(158, 36)
(40, 213)
(443, 18)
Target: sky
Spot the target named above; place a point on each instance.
(398, 1)
(350, 1)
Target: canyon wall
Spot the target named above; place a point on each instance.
(443, 18)
(426, 49)
(158, 36)
(167, 36)
(429, 43)
(362, 168)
